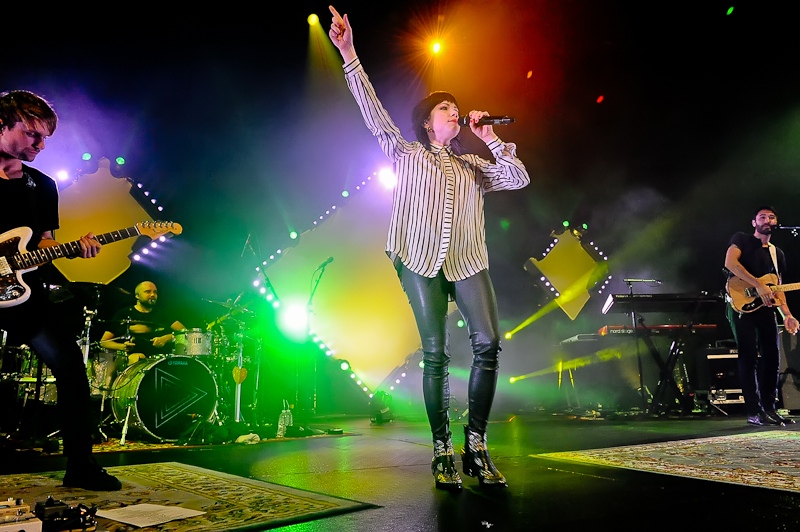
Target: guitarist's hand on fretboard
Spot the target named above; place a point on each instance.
(89, 246)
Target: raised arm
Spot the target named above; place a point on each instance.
(342, 35)
(375, 116)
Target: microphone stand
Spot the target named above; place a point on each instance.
(308, 406)
(642, 392)
(795, 229)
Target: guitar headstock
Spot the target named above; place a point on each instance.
(156, 228)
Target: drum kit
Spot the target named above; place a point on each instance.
(161, 397)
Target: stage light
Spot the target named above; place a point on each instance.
(117, 169)
(730, 10)
(460, 324)
(565, 223)
(437, 47)
(137, 257)
(62, 175)
(312, 19)
(600, 98)
(293, 321)
(345, 366)
(153, 245)
(345, 194)
(530, 73)
(387, 177)
(508, 336)
(293, 235)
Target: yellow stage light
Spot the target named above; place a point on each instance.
(436, 47)
(312, 19)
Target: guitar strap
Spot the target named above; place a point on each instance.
(774, 256)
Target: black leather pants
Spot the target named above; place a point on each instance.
(476, 300)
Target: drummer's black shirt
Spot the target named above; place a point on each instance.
(157, 320)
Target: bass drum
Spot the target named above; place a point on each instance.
(165, 396)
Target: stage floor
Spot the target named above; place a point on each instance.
(389, 465)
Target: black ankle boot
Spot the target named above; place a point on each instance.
(477, 462)
(443, 466)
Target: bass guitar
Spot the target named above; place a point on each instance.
(16, 260)
(744, 297)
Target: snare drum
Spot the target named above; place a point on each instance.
(165, 395)
(103, 368)
(193, 342)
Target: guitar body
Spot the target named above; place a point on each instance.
(744, 298)
(13, 290)
(16, 260)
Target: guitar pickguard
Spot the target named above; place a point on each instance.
(11, 289)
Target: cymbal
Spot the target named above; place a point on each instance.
(86, 292)
(130, 322)
(226, 304)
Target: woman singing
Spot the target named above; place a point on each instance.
(438, 245)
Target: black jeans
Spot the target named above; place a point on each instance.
(757, 332)
(36, 323)
(476, 300)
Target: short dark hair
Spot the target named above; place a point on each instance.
(28, 108)
(764, 208)
(422, 111)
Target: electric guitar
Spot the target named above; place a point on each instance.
(744, 297)
(16, 260)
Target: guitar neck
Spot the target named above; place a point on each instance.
(786, 287)
(70, 249)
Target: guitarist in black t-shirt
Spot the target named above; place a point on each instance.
(752, 259)
(30, 199)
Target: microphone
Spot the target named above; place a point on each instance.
(327, 261)
(487, 121)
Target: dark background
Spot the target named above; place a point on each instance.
(218, 112)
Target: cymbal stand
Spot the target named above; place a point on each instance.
(237, 395)
(257, 353)
(87, 327)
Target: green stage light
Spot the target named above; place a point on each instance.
(293, 321)
(586, 226)
(86, 156)
(345, 194)
(730, 10)
(565, 223)
(460, 323)
(293, 235)
(120, 160)
(421, 364)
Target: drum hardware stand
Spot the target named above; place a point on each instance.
(125, 426)
(237, 396)
(87, 326)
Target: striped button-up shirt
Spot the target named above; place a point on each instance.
(437, 213)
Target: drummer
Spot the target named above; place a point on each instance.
(143, 329)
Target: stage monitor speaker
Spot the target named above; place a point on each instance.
(790, 371)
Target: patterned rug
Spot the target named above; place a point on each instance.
(230, 502)
(769, 459)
